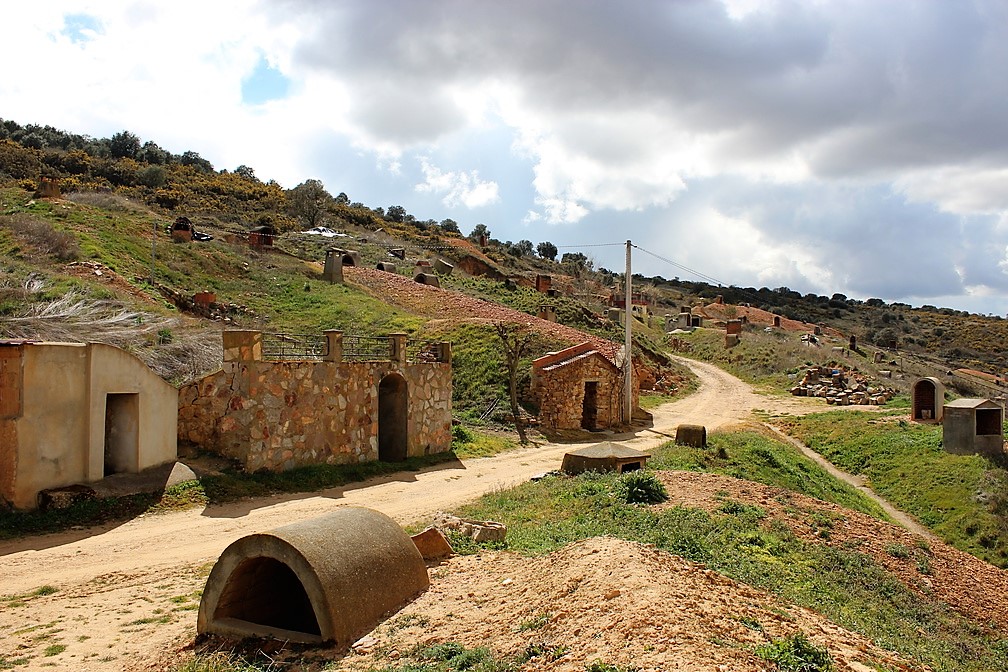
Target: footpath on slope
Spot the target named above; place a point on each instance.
(125, 593)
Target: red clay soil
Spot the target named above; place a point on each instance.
(724, 311)
(969, 585)
(609, 601)
(421, 299)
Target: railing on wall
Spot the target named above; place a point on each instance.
(423, 351)
(331, 346)
(280, 347)
(366, 348)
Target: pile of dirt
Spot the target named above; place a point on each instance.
(606, 600)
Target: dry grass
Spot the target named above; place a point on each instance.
(41, 236)
(107, 201)
(73, 318)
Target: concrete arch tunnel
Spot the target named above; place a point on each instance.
(325, 580)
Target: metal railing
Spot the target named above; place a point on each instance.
(423, 351)
(366, 348)
(355, 347)
(280, 347)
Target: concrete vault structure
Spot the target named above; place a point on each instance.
(973, 426)
(325, 580)
(603, 457)
(76, 412)
(927, 399)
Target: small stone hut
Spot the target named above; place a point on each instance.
(927, 399)
(973, 426)
(354, 399)
(580, 387)
(75, 413)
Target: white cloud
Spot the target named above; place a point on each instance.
(836, 125)
(458, 188)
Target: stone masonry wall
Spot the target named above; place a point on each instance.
(560, 393)
(279, 415)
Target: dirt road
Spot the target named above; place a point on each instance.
(126, 592)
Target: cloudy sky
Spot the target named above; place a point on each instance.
(858, 147)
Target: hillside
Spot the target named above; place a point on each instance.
(230, 202)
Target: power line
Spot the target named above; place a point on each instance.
(682, 267)
(567, 247)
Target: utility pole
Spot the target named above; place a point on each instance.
(153, 243)
(627, 361)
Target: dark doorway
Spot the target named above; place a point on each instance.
(348, 260)
(122, 433)
(589, 407)
(925, 405)
(988, 421)
(265, 591)
(392, 418)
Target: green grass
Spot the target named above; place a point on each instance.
(760, 358)
(470, 443)
(846, 586)
(962, 498)
(755, 457)
(54, 649)
(796, 654)
(479, 372)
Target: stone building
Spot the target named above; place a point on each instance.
(75, 413)
(579, 387)
(973, 426)
(353, 400)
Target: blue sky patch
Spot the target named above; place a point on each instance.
(264, 84)
(81, 28)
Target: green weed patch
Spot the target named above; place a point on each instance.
(963, 498)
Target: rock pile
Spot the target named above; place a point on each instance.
(842, 388)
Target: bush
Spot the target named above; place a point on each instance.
(796, 654)
(41, 235)
(637, 487)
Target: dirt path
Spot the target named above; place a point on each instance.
(127, 592)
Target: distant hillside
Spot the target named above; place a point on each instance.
(137, 186)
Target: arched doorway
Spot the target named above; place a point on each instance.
(927, 399)
(392, 418)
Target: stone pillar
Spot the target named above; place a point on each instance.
(334, 346)
(242, 346)
(397, 348)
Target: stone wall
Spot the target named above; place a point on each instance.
(279, 415)
(558, 387)
(282, 414)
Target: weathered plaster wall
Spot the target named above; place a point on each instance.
(278, 415)
(959, 436)
(115, 371)
(52, 427)
(56, 434)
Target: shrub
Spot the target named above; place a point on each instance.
(637, 487)
(41, 235)
(796, 654)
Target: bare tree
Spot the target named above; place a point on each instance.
(515, 339)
